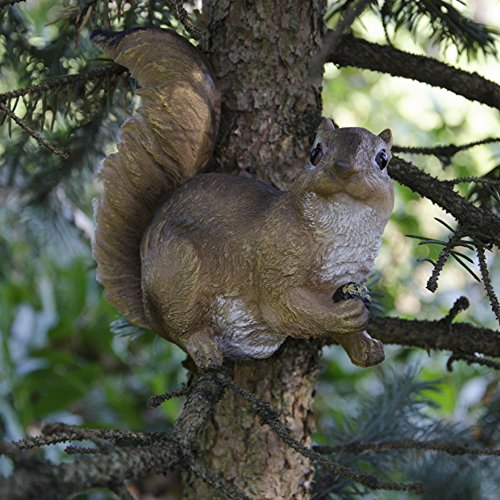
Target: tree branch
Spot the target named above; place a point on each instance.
(113, 466)
(352, 51)
(495, 305)
(357, 447)
(481, 222)
(33, 133)
(443, 335)
(334, 36)
(60, 82)
(448, 150)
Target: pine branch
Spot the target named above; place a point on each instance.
(471, 359)
(476, 180)
(60, 433)
(113, 465)
(177, 7)
(449, 26)
(211, 479)
(487, 193)
(155, 401)
(481, 223)
(43, 142)
(432, 282)
(408, 444)
(444, 153)
(271, 418)
(385, 59)
(350, 14)
(495, 306)
(62, 82)
(440, 335)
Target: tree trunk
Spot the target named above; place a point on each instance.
(271, 108)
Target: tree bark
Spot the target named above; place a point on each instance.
(251, 457)
(271, 108)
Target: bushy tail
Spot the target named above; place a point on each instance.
(168, 140)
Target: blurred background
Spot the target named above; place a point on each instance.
(60, 357)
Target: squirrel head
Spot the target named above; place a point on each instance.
(350, 164)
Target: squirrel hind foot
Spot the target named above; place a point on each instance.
(204, 349)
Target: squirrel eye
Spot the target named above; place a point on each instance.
(316, 154)
(381, 159)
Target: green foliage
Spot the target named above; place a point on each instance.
(68, 99)
(449, 26)
(59, 359)
(401, 409)
(487, 195)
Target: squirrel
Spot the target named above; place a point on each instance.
(226, 266)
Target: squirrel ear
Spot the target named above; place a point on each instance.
(386, 136)
(326, 125)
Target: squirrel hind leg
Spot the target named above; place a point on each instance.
(203, 348)
(172, 285)
(175, 298)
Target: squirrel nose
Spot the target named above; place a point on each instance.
(341, 164)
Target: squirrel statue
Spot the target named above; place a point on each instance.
(226, 266)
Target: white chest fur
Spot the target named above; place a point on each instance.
(241, 334)
(348, 236)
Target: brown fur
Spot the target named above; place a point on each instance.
(168, 140)
(230, 266)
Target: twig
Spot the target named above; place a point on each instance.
(155, 401)
(268, 416)
(471, 359)
(408, 444)
(210, 478)
(80, 450)
(478, 180)
(63, 81)
(461, 304)
(495, 306)
(432, 282)
(458, 337)
(352, 51)
(182, 15)
(444, 153)
(203, 396)
(474, 220)
(334, 36)
(53, 432)
(43, 142)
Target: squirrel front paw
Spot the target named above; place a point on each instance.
(351, 316)
(362, 349)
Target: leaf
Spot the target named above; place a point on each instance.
(426, 259)
(444, 224)
(466, 257)
(463, 264)
(434, 242)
